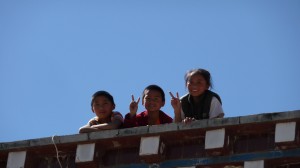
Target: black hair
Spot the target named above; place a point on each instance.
(102, 93)
(202, 72)
(157, 88)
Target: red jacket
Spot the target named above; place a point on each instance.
(142, 119)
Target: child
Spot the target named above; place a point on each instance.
(153, 99)
(103, 105)
(200, 102)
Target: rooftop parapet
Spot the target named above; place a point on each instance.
(267, 140)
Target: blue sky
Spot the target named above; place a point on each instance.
(55, 54)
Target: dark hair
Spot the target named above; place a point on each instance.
(202, 72)
(157, 88)
(102, 93)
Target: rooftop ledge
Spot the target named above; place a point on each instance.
(269, 140)
(207, 124)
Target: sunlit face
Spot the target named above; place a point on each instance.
(153, 100)
(103, 108)
(197, 85)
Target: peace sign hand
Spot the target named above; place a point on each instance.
(133, 107)
(175, 102)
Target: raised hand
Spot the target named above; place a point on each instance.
(175, 102)
(133, 107)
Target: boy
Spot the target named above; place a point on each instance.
(153, 99)
(103, 105)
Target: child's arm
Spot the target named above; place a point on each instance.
(92, 125)
(116, 122)
(175, 102)
(99, 127)
(87, 129)
(130, 118)
(106, 126)
(133, 106)
(216, 110)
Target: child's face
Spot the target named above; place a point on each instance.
(153, 100)
(103, 107)
(197, 85)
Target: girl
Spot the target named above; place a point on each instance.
(200, 102)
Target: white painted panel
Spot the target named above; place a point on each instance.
(285, 132)
(215, 138)
(254, 164)
(16, 159)
(85, 152)
(149, 145)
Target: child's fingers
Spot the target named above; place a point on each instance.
(177, 95)
(133, 101)
(173, 97)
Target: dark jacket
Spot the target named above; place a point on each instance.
(201, 110)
